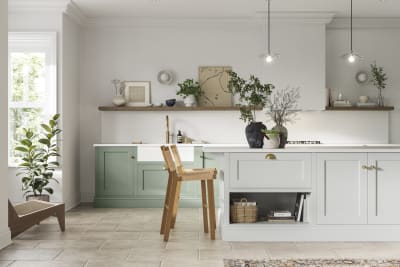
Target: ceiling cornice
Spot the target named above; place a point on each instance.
(365, 23)
(281, 17)
(67, 7)
(15, 6)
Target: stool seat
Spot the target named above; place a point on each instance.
(177, 175)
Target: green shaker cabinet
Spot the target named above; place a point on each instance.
(115, 169)
(123, 181)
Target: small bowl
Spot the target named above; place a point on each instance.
(170, 102)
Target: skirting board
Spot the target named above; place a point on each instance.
(304, 233)
(5, 238)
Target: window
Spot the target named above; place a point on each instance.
(32, 87)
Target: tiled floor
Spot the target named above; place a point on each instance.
(130, 237)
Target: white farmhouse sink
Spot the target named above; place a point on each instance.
(153, 153)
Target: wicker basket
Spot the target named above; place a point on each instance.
(241, 212)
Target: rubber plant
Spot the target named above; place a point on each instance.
(39, 152)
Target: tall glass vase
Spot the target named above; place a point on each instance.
(381, 102)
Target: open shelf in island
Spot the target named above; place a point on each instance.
(269, 202)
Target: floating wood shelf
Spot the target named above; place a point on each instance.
(164, 108)
(360, 108)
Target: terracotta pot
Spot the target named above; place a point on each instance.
(41, 197)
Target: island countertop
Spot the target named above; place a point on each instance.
(243, 148)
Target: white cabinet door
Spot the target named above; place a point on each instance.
(384, 188)
(342, 188)
(270, 170)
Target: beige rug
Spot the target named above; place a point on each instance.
(312, 263)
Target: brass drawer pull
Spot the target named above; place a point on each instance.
(270, 157)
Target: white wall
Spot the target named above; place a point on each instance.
(380, 44)
(5, 237)
(70, 111)
(35, 22)
(68, 100)
(139, 51)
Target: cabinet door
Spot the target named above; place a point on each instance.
(270, 171)
(152, 179)
(342, 188)
(115, 171)
(384, 188)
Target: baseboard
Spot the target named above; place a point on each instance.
(5, 238)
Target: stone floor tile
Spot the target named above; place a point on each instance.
(5, 263)
(47, 264)
(125, 244)
(110, 236)
(77, 244)
(93, 254)
(94, 263)
(29, 254)
(21, 244)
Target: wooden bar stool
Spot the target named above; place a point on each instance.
(177, 175)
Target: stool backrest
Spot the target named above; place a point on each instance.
(169, 162)
(178, 162)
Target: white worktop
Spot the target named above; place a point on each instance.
(243, 148)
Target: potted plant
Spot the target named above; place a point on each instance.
(39, 154)
(273, 139)
(190, 91)
(252, 95)
(282, 109)
(378, 78)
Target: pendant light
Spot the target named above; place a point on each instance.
(269, 57)
(351, 57)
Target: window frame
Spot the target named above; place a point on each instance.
(33, 42)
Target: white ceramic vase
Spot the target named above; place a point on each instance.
(119, 100)
(272, 142)
(190, 101)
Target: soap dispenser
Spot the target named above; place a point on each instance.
(179, 137)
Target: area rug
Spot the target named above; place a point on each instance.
(311, 263)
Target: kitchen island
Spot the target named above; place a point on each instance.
(351, 191)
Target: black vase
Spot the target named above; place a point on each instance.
(254, 135)
(283, 135)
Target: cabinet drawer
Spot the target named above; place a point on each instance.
(281, 170)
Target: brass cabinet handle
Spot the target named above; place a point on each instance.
(370, 168)
(132, 157)
(270, 157)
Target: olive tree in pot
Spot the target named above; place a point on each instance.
(190, 91)
(39, 152)
(252, 95)
(282, 109)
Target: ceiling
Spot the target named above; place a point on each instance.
(232, 8)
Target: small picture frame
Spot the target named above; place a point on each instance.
(137, 94)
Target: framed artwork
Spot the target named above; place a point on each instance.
(137, 94)
(214, 81)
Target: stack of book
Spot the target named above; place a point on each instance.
(299, 207)
(342, 103)
(281, 216)
(368, 104)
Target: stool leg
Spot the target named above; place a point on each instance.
(175, 209)
(171, 206)
(211, 207)
(166, 204)
(204, 203)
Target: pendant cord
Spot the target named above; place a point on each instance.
(351, 26)
(269, 26)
